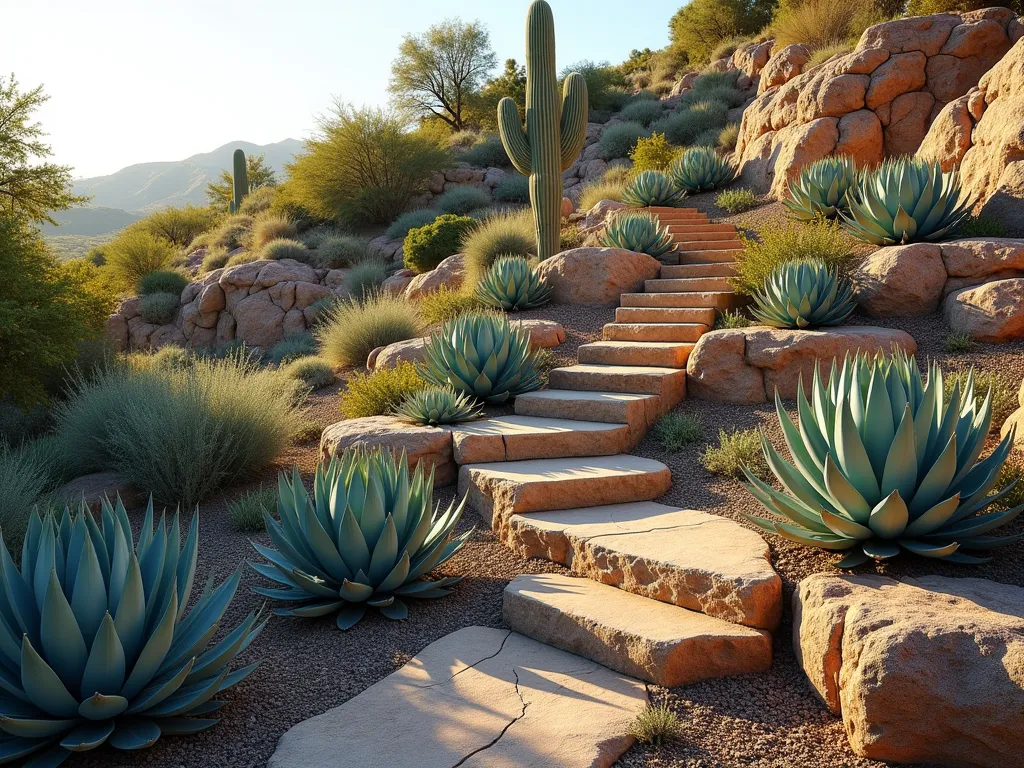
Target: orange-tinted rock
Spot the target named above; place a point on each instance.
(990, 312)
(901, 280)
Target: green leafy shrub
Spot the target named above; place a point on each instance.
(508, 234)
(446, 304)
(400, 227)
(258, 201)
(462, 200)
(438, 405)
(701, 169)
(728, 137)
(180, 433)
(380, 392)
(737, 200)
(134, 254)
(514, 188)
(291, 347)
(959, 343)
(216, 258)
(270, 226)
(282, 248)
(337, 251)
(730, 319)
(782, 242)
(487, 152)
(639, 232)
(685, 125)
(512, 284)
(804, 294)
(312, 371)
(231, 234)
(651, 188)
(594, 192)
(163, 281)
(644, 112)
(366, 278)
(653, 154)
(353, 329)
(654, 725)
(735, 451)
(160, 308)
(604, 84)
(246, 512)
(178, 226)
(821, 189)
(981, 226)
(620, 139)
(675, 431)
(427, 246)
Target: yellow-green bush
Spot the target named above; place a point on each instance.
(134, 254)
(270, 226)
(778, 243)
(377, 393)
(654, 154)
(427, 246)
(507, 234)
(352, 329)
(446, 304)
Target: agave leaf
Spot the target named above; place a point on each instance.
(105, 669)
(88, 736)
(934, 518)
(134, 734)
(62, 641)
(890, 516)
(928, 550)
(42, 685)
(155, 694)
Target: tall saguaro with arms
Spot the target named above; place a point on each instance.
(556, 127)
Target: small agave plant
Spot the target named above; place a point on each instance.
(821, 188)
(96, 646)
(483, 355)
(512, 284)
(439, 405)
(364, 539)
(639, 232)
(700, 169)
(882, 462)
(804, 294)
(651, 188)
(905, 200)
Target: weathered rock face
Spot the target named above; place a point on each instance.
(447, 274)
(899, 76)
(747, 365)
(598, 215)
(991, 312)
(927, 670)
(783, 66)
(1016, 422)
(430, 445)
(597, 275)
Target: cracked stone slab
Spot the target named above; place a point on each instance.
(477, 698)
(657, 642)
(685, 557)
(514, 438)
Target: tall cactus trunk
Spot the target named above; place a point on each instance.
(240, 180)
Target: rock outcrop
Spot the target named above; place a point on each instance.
(597, 275)
(431, 446)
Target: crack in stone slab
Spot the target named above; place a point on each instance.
(496, 739)
(467, 668)
(586, 538)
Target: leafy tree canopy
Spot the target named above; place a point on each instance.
(699, 26)
(222, 192)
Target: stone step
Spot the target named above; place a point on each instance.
(514, 438)
(705, 316)
(687, 284)
(654, 331)
(731, 255)
(498, 490)
(656, 642)
(477, 697)
(668, 383)
(692, 559)
(712, 269)
(682, 239)
(714, 299)
(637, 410)
(684, 245)
(698, 227)
(664, 354)
(660, 209)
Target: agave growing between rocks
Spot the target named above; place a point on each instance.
(882, 461)
(96, 646)
(821, 188)
(483, 355)
(512, 284)
(651, 188)
(905, 200)
(439, 405)
(365, 538)
(700, 169)
(640, 232)
(804, 294)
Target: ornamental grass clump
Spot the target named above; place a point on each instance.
(365, 538)
(512, 284)
(639, 232)
(650, 189)
(100, 648)
(804, 294)
(820, 191)
(883, 461)
(352, 329)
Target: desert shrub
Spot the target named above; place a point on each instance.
(337, 251)
(735, 450)
(134, 254)
(1004, 394)
(216, 258)
(931, 7)
(313, 237)
(270, 226)
(821, 55)
(644, 112)
(514, 188)
(163, 281)
(486, 152)
(291, 347)
(1012, 472)
(400, 227)
(981, 226)
(377, 393)
(319, 310)
(604, 84)
(732, 319)
(353, 329)
(427, 246)
(364, 167)
(167, 358)
(727, 47)
(257, 201)
(242, 257)
(687, 124)
(654, 725)
(779, 243)
(594, 192)
(180, 433)
(677, 430)
(708, 138)
(728, 137)
(366, 277)
(708, 81)
(737, 200)
(178, 226)
(619, 140)
(246, 511)
(160, 308)
(461, 200)
(653, 153)
(959, 343)
(725, 95)
(511, 234)
(283, 248)
(446, 304)
(232, 233)
(571, 237)
(28, 474)
(821, 23)
(314, 372)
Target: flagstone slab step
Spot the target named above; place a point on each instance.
(698, 238)
(685, 256)
(666, 354)
(477, 698)
(656, 642)
(686, 299)
(639, 411)
(668, 383)
(703, 315)
(654, 331)
(513, 438)
(499, 489)
(688, 558)
(700, 244)
(710, 269)
(687, 284)
(698, 227)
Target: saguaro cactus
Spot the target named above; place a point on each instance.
(555, 127)
(240, 177)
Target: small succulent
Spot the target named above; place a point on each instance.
(804, 294)
(821, 188)
(882, 461)
(438, 405)
(511, 284)
(651, 188)
(483, 355)
(365, 538)
(699, 169)
(640, 232)
(97, 647)
(905, 200)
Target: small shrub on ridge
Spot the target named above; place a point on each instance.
(779, 243)
(644, 111)
(594, 192)
(488, 152)
(427, 246)
(163, 281)
(514, 188)
(314, 372)
(291, 347)
(400, 227)
(677, 430)
(246, 512)
(270, 226)
(446, 304)
(337, 251)
(732, 319)
(380, 392)
(134, 254)
(737, 200)
(366, 277)
(216, 258)
(735, 450)
(283, 248)
(654, 725)
(653, 154)
(353, 329)
(620, 139)
(159, 308)
(509, 234)
(462, 200)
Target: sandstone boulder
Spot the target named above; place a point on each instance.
(447, 274)
(901, 280)
(382, 358)
(785, 64)
(543, 333)
(597, 215)
(259, 321)
(597, 275)
(117, 331)
(430, 445)
(990, 312)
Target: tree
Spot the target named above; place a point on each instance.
(438, 72)
(483, 107)
(698, 27)
(260, 175)
(29, 189)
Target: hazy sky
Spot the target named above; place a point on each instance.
(140, 80)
